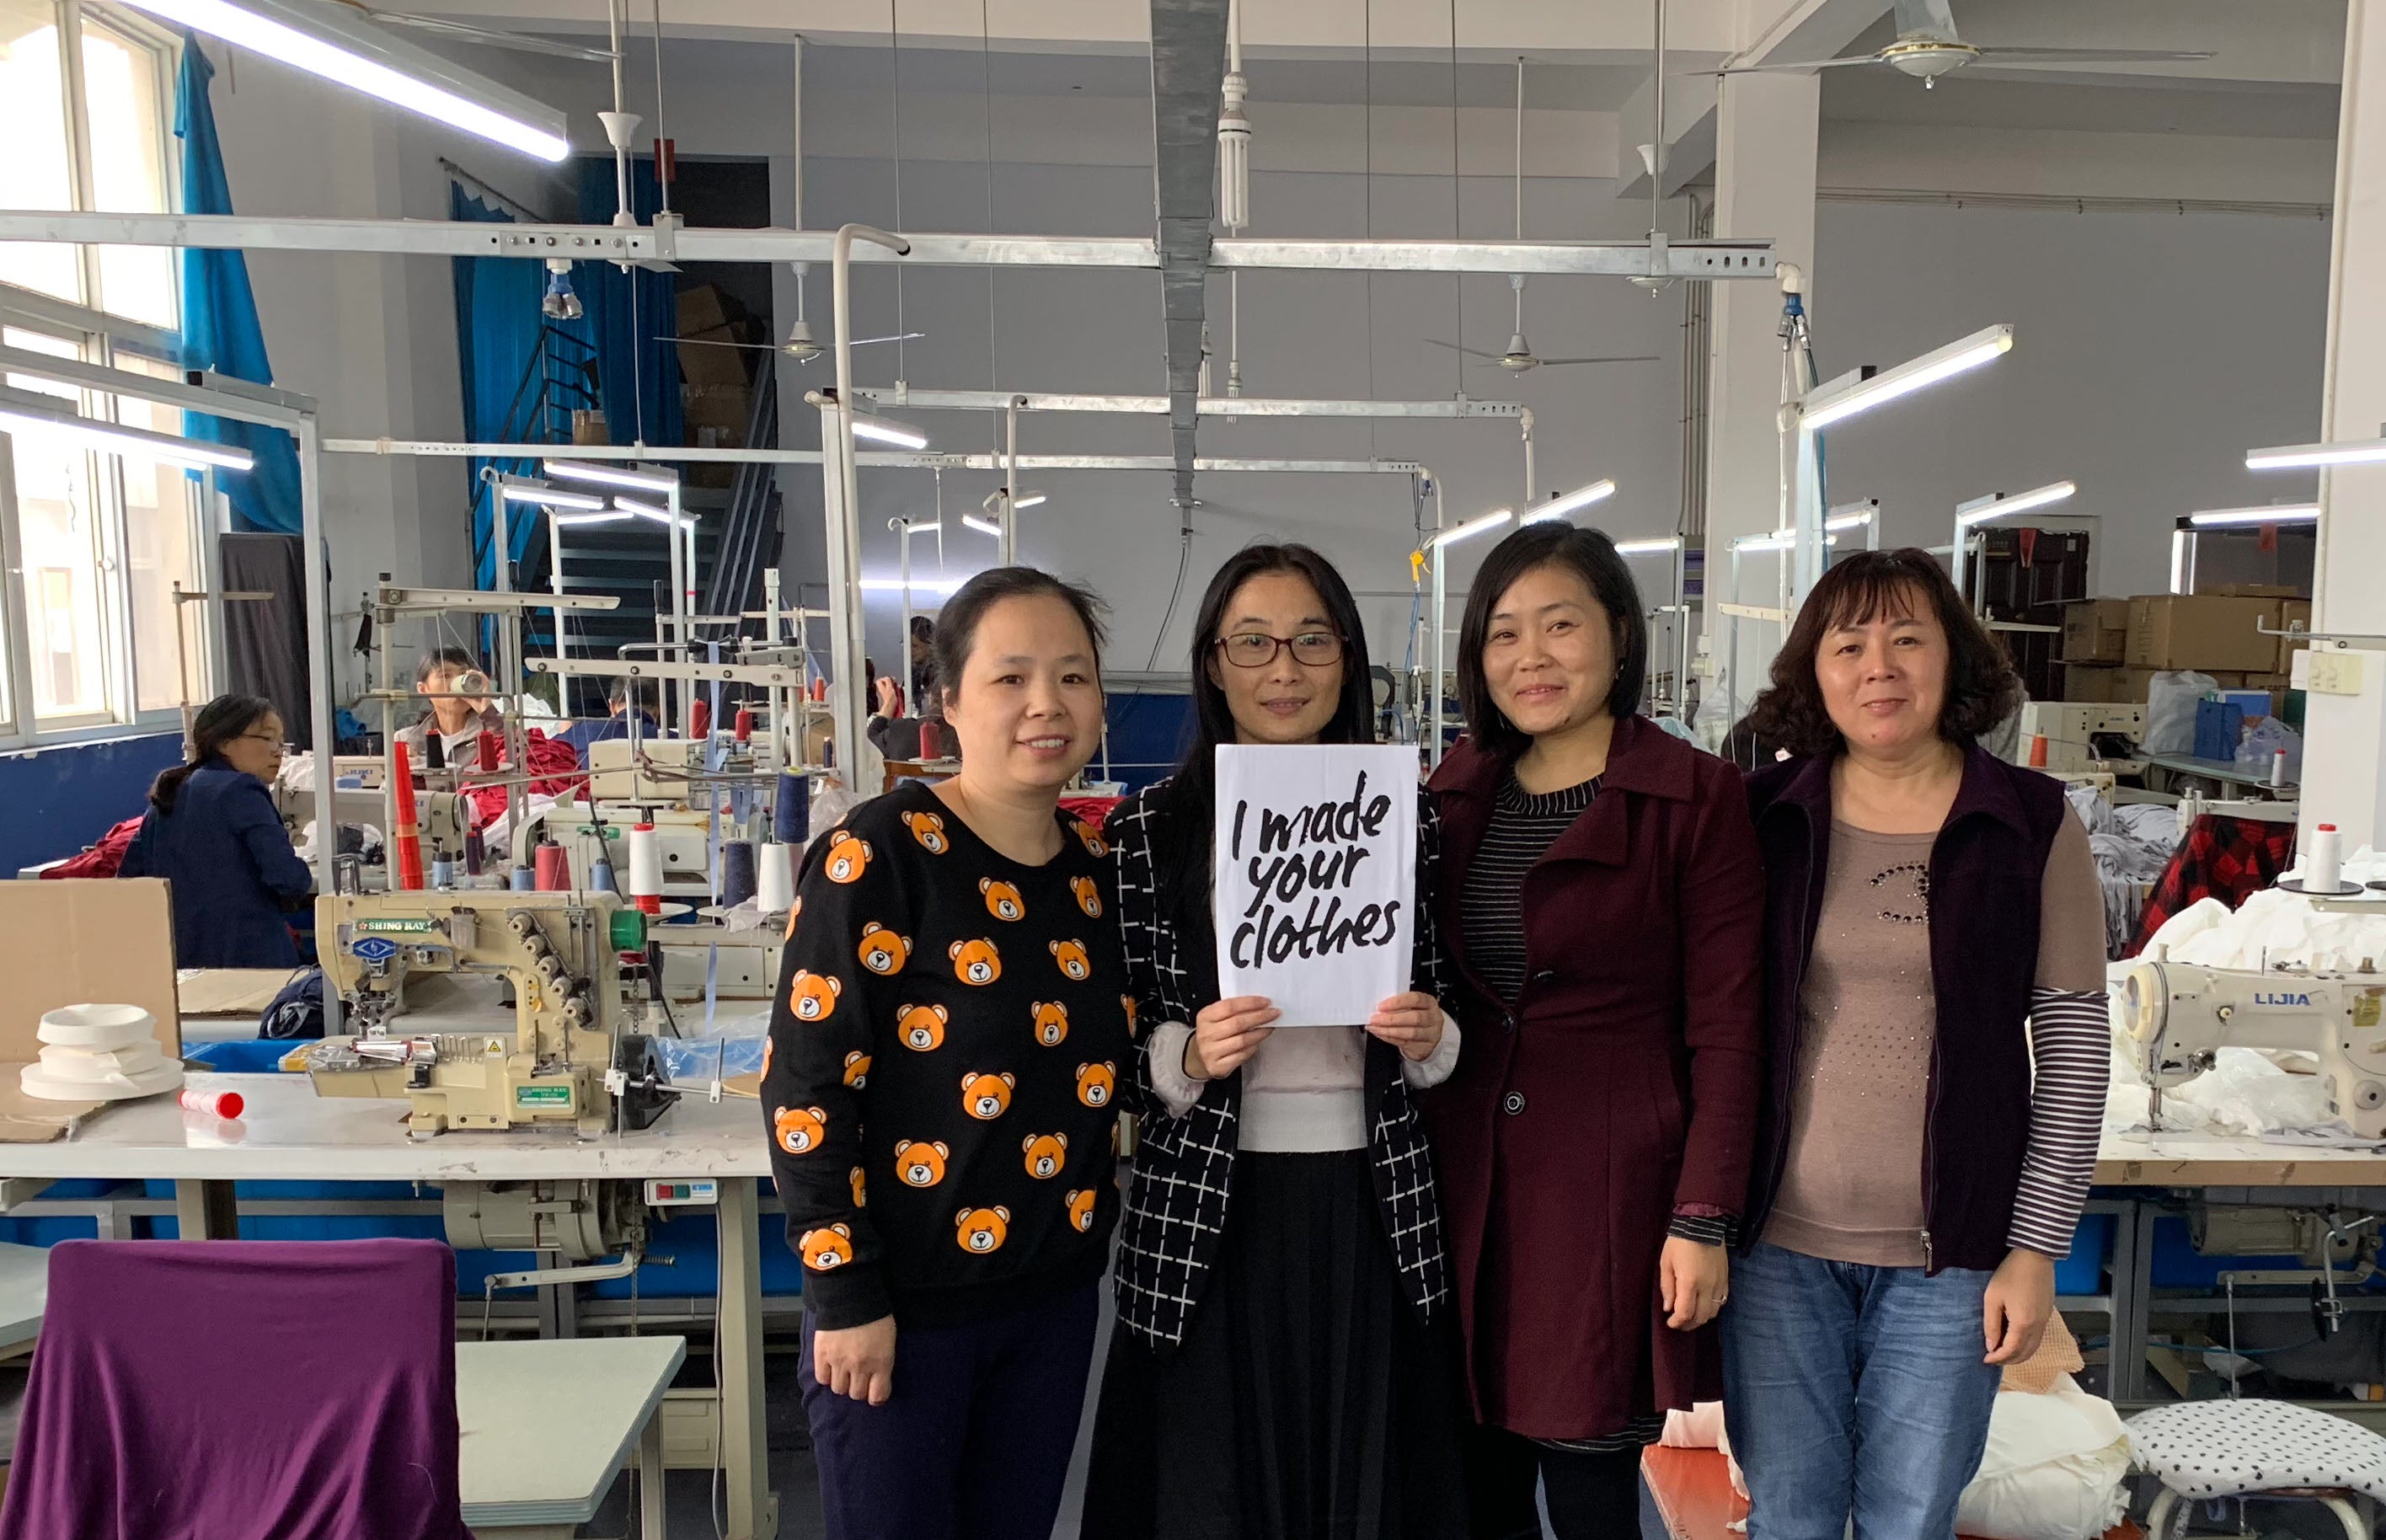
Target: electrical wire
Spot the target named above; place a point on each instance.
(1456, 280)
(894, 107)
(985, 56)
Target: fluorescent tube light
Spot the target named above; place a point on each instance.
(2183, 561)
(1027, 500)
(1471, 527)
(2285, 513)
(982, 526)
(610, 475)
(1779, 539)
(931, 527)
(651, 511)
(946, 586)
(2301, 456)
(1648, 548)
(326, 41)
(1980, 510)
(1852, 516)
(1580, 497)
(611, 516)
(116, 439)
(548, 496)
(1954, 358)
(879, 429)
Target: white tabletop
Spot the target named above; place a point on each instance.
(2172, 1159)
(24, 1293)
(287, 1133)
(548, 1425)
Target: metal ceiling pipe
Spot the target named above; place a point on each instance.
(1188, 70)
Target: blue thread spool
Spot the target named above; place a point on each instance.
(737, 872)
(791, 814)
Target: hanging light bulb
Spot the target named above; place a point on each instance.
(1233, 154)
(561, 303)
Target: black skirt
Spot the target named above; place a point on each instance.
(1307, 1402)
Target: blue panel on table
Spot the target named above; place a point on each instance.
(2083, 1270)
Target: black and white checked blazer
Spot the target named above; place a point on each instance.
(1183, 1168)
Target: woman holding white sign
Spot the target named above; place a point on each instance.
(1604, 914)
(1279, 1367)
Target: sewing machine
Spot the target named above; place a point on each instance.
(444, 817)
(577, 1055)
(2180, 1015)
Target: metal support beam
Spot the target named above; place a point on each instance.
(1188, 68)
(1709, 259)
(903, 397)
(446, 449)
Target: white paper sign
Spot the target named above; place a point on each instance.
(1316, 877)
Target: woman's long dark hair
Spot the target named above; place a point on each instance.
(218, 722)
(1184, 809)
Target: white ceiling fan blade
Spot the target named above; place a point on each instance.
(709, 341)
(2019, 56)
(1801, 63)
(494, 39)
(1475, 352)
(899, 337)
(1620, 359)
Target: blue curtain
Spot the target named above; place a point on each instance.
(499, 333)
(220, 326)
(635, 315)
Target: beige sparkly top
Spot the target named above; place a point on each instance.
(1851, 1188)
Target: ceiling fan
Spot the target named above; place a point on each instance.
(1928, 46)
(1520, 357)
(801, 345)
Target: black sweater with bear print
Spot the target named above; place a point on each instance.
(941, 1077)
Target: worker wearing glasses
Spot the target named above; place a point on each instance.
(213, 833)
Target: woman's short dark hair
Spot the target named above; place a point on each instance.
(220, 722)
(1589, 555)
(1982, 689)
(957, 624)
(439, 660)
(1184, 818)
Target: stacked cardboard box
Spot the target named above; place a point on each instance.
(2211, 633)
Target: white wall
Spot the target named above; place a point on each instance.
(2151, 351)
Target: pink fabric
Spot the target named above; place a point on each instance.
(242, 1390)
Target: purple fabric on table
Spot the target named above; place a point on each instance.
(237, 1390)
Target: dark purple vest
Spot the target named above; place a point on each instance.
(1988, 868)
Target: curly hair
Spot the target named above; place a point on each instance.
(1982, 689)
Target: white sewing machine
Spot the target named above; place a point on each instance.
(576, 1054)
(444, 817)
(2178, 1015)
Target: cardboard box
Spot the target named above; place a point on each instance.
(2293, 614)
(588, 426)
(706, 315)
(79, 941)
(2203, 631)
(2096, 631)
(726, 409)
(2106, 684)
(700, 310)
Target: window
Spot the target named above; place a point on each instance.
(108, 152)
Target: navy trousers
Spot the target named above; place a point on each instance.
(975, 1441)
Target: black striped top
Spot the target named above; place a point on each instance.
(1492, 905)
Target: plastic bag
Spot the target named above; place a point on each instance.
(2170, 710)
(831, 803)
(2265, 738)
(2244, 1093)
(2054, 1469)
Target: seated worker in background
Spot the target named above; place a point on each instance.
(907, 739)
(581, 734)
(212, 833)
(460, 710)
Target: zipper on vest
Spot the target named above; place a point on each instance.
(1926, 1251)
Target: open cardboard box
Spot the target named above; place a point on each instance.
(103, 941)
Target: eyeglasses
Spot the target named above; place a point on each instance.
(1253, 649)
(279, 745)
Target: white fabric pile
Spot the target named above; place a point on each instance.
(2132, 844)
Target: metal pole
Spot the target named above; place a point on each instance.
(1441, 622)
(555, 584)
(776, 697)
(319, 663)
(1525, 421)
(903, 528)
(1007, 553)
(847, 689)
(677, 637)
(1682, 629)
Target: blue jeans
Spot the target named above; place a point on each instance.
(1854, 1391)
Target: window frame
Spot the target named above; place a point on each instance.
(106, 340)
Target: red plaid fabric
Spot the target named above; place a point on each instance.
(2223, 858)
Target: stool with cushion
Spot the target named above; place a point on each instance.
(2203, 1449)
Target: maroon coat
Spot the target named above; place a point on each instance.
(1625, 1083)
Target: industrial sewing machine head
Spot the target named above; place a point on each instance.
(2178, 1015)
(577, 1055)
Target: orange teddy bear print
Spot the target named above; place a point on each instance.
(829, 1248)
(882, 951)
(801, 1129)
(1089, 895)
(923, 1027)
(986, 1096)
(1002, 900)
(860, 1187)
(982, 1230)
(1095, 845)
(1126, 1003)
(856, 1070)
(794, 909)
(1046, 1153)
(975, 961)
(920, 1165)
(1051, 1023)
(1081, 1210)
(1095, 1081)
(1074, 960)
(813, 996)
(929, 830)
(847, 858)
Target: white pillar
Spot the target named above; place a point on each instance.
(1764, 185)
(2345, 736)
